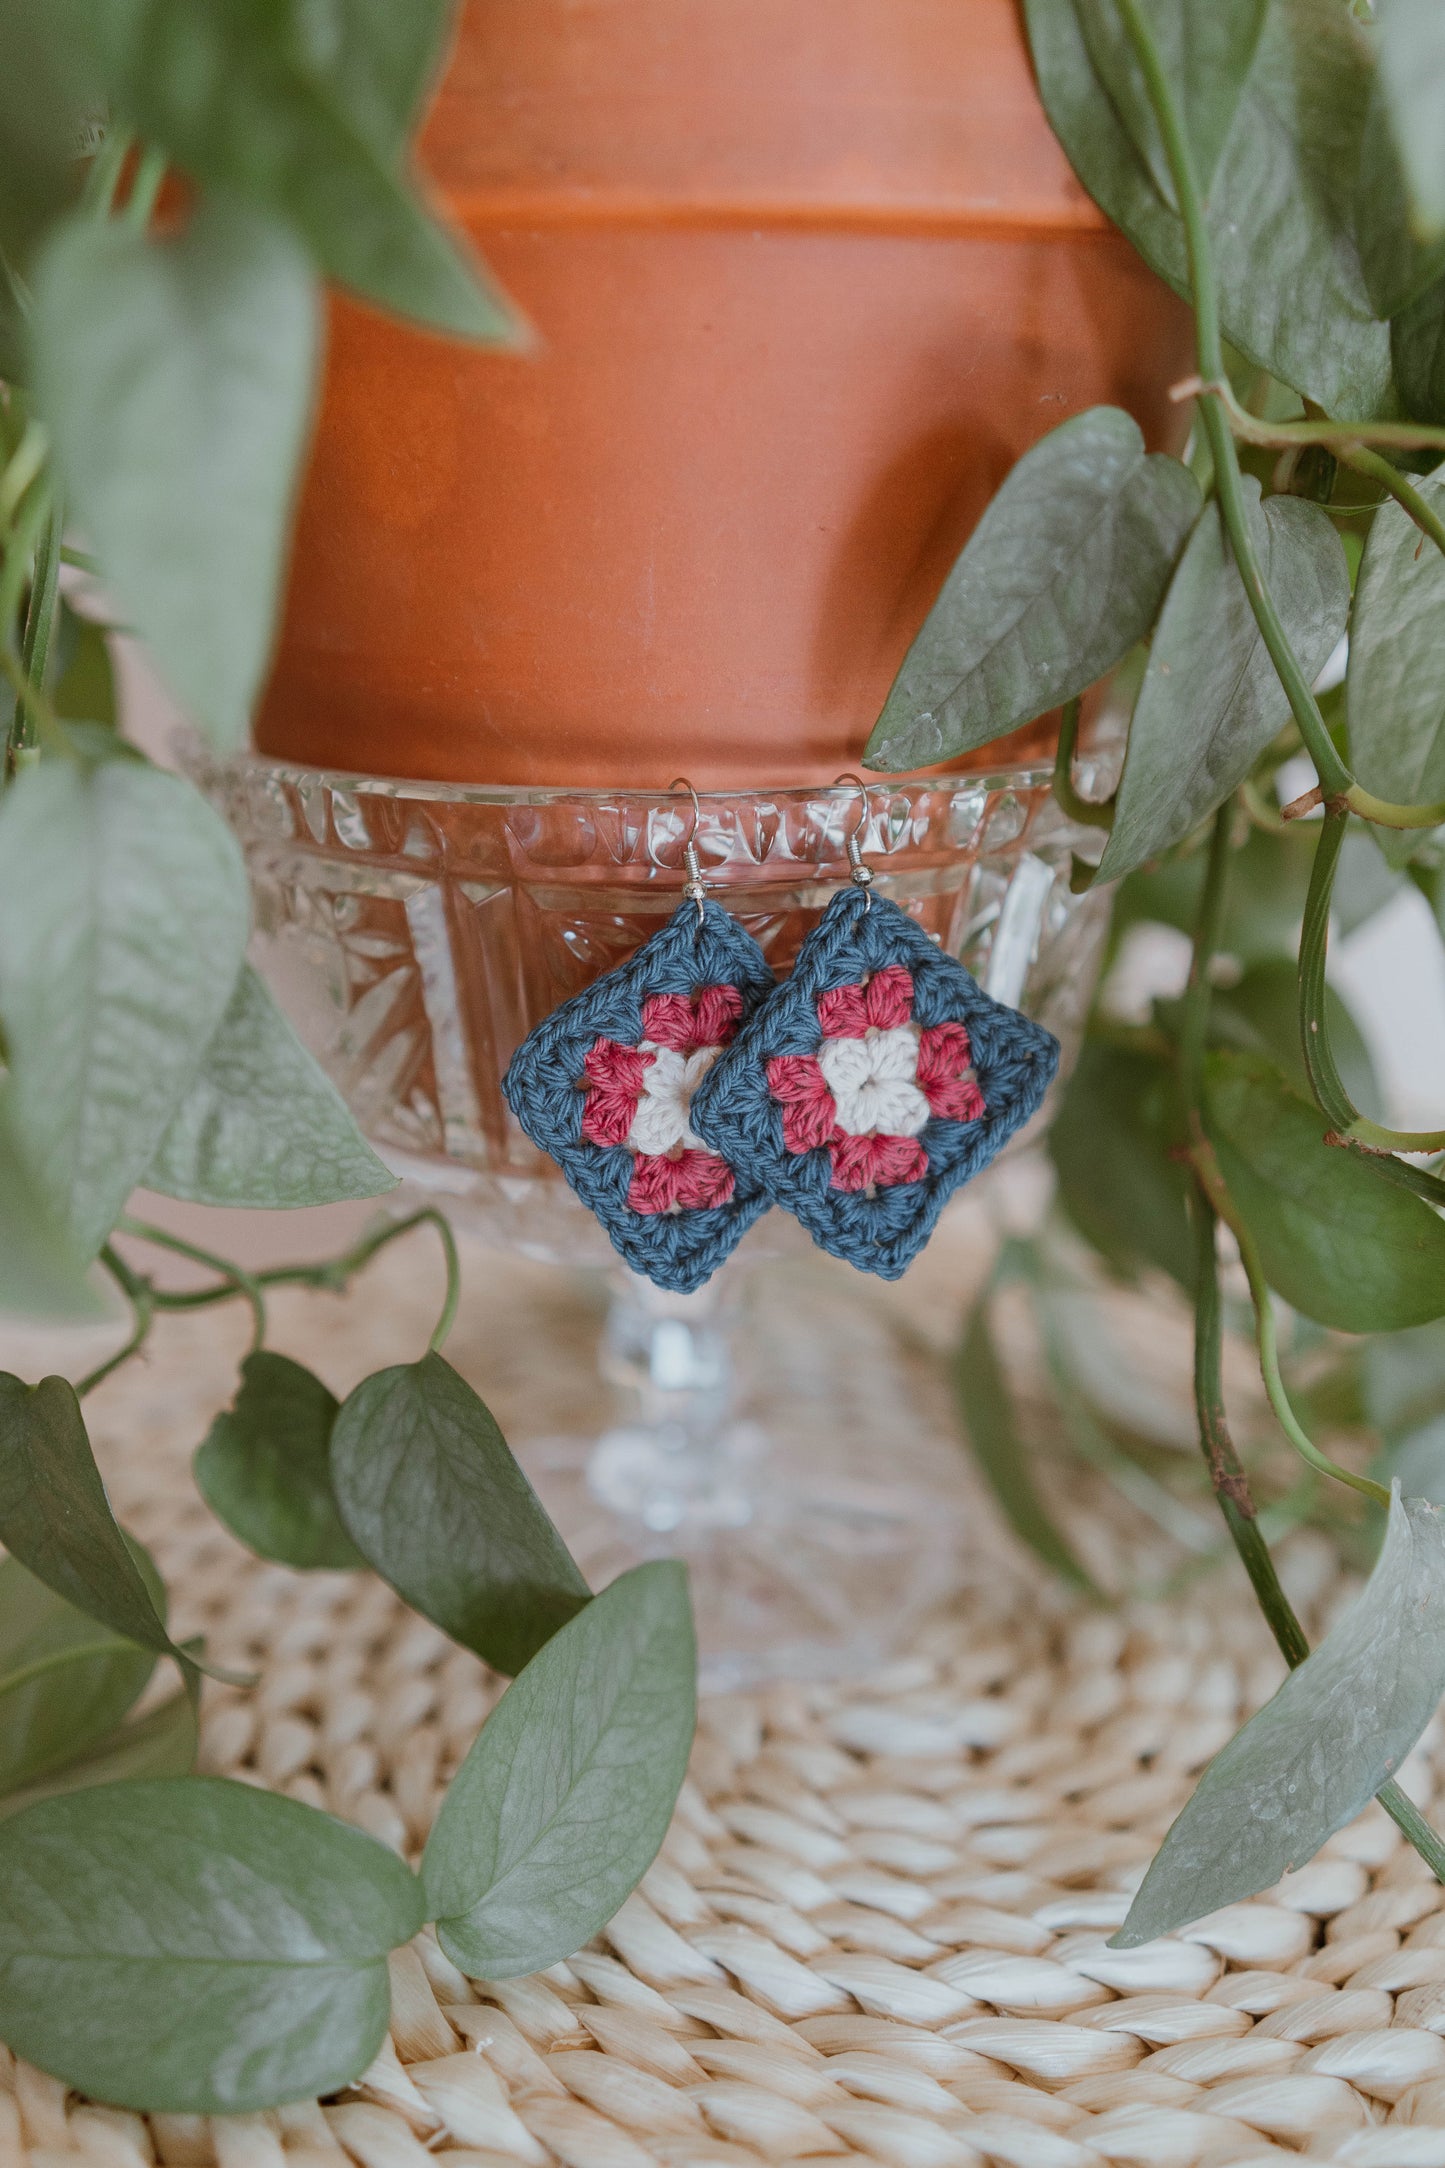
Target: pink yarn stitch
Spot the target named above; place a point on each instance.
(945, 1073)
(694, 1178)
(710, 1017)
(809, 1115)
(870, 1162)
(846, 1012)
(612, 1078)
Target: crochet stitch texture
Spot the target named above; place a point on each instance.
(874, 1083)
(605, 1084)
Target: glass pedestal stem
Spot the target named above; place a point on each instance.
(676, 1459)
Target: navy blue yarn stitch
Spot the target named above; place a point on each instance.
(678, 1250)
(733, 1110)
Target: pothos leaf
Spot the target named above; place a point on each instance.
(1206, 52)
(123, 915)
(262, 1124)
(377, 58)
(264, 1466)
(1211, 698)
(1061, 576)
(84, 689)
(1337, 1241)
(242, 105)
(65, 1681)
(1412, 75)
(41, 1272)
(196, 1946)
(1316, 1754)
(1398, 264)
(429, 1492)
(563, 1802)
(988, 1424)
(176, 377)
(56, 1519)
(1396, 700)
(1417, 346)
(1292, 291)
(1110, 1149)
(1260, 1013)
(162, 1743)
(1403, 1388)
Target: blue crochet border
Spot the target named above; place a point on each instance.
(733, 1110)
(677, 1250)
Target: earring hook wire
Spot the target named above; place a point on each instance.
(860, 875)
(693, 887)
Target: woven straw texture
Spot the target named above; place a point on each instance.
(877, 1931)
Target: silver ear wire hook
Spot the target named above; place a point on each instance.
(860, 874)
(693, 887)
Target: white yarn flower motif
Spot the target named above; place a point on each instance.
(872, 1080)
(660, 1125)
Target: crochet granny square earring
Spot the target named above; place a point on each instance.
(605, 1085)
(874, 1082)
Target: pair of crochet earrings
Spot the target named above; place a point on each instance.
(687, 1091)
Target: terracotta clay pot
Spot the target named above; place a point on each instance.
(807, 276)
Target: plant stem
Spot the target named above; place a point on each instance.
(1406, 495)
(1335, 780)
(1332, 1099)
(1338, 437)
(1334, 775)
(332, 1273)
(39, 624)
(30, 699)
(454, 1282)
(1090, 812)
(1231, 1487)
(138, 1294)
(241, 1282)
(145, 188)
(1194, 1020)
(1210, 1178)
(1226, 1472)
(106, 167)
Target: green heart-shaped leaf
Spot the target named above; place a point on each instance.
(1060, 577)
(561, 1805)
(1394, 691)
(262, 1124)
(56, 1519)
(42, 1273)
(65, 1681)
(1412, 78)
(987, 1415)
(196, 1946)
(1206, 51)
(1110, 1146)
(1316, 1754)
(123, 915)
(1211, 698)
(429, 1492)
(162, 1743)
(243, 104)
(264, 1466)
(1335, 1239)
(177, 380)
(1417, 347)
(1281, 207)
(376, 59)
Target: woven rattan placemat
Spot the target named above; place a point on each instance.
(877, 1931)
